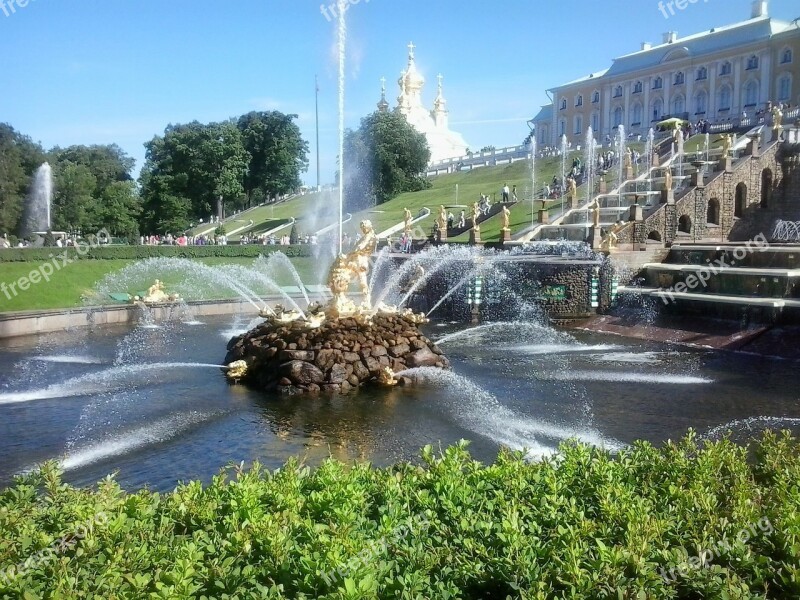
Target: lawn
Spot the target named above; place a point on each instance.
(66, 286)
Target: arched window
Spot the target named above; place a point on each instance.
(596, 121)
(725, 69)
(678, 105)
(563, 104)
(700, 103)
(595, 97)
(786, 56)
(618, 92)
(725, 98)
(658, 83)
(741, 200)
(752, 63)
(562, 128)
(766, 187)
(680, 78)
(702, 73)
(658, 110)
(578, 124)
(579, 101)
(785, 88)
(618, 116)
(636, 115)
(712, 214)
(751, 93)
(685, 224)
(637, 87)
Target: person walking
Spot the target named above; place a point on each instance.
(505, 193)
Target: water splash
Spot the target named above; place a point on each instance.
(654, 378)
(37, 209)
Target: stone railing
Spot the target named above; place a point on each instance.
(480, 159)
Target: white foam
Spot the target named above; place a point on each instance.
(153, 433)
(629, 357)
(536, 349)
(618, 377)
(748, 424)
(78, 360)
(113, 378)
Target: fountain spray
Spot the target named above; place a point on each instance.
(342, 38)
(533, 178)
(621, 162)
(563, 169)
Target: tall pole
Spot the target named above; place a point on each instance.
(316, 108)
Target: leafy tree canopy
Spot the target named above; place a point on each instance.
(384, 157)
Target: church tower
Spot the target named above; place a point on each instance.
(440, 115)
(383, 105)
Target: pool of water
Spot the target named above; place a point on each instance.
(151, 404)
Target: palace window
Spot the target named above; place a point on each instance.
(636, 116)
(658, 110)
(595, 97)
(701, 103)
(564, 104)
(702, 73)
(579, 101)
(785, 88)
(618, 92)
(726, 69)
(578, 125)
(751, 94)
(658, 83)
(637, 87)
(752, 63)
(725, 98)
(786, 57)
(680, 78)
(678, 105)
(618, 116)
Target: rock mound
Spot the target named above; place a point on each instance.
(337, 356)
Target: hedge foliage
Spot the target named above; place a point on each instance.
(143, 252)
(582, 525)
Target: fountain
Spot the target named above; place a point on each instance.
(786, 231)
(37, 210)
(563, 170)
(621, 150)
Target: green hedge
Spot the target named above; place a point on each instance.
(142, 252)
(583, 525)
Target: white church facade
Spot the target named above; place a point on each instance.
(433, 124)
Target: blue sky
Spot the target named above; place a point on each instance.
(119, 71)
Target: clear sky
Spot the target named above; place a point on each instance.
(119, 71)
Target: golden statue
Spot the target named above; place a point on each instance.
(727, 144)
(476, 213)
(506, 218)
(156, 294)
(407, 218)
(609, 240)
(354, 265)
(572, 188)
(628, 158)
(386, 377)
(668, 178)
(442, 218)
(777, 118)
(595, 208)
(236, 370)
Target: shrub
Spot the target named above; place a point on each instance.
(584, 525)
(143, 252)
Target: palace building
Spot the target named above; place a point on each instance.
(433, 124)
(718, 75)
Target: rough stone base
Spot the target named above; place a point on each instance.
(337, 357)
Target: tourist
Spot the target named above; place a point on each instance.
(450, 220)
(462, 220)
(505, 193)
(514, 193)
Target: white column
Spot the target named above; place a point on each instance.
(736, 109)
(626, 93)
(711, 110)
(766, 78)
(646, 114)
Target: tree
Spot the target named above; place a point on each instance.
(383, 158)
(94, 190)
(19, 159)
(278, 154)
(188, 170)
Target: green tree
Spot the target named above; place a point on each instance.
(188, 170)
(94, 190)
(384, 157)
(19, 159)
(278, 154)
